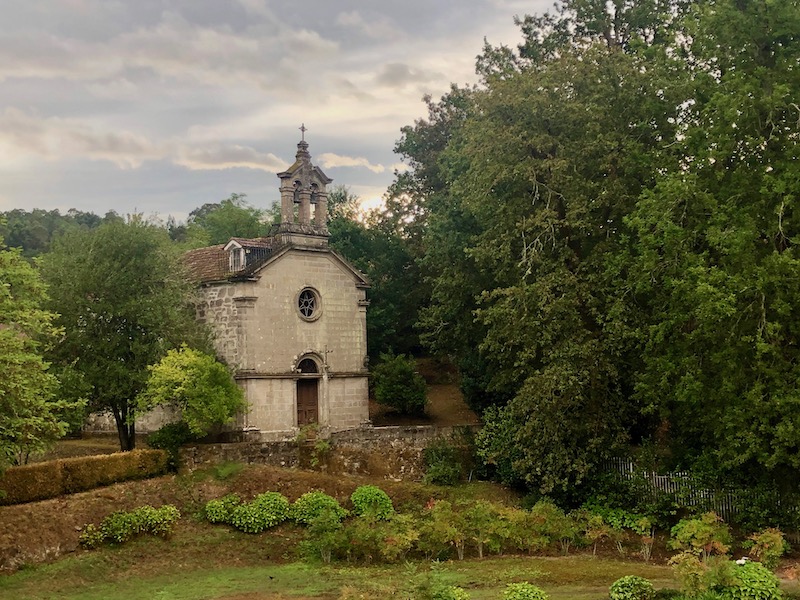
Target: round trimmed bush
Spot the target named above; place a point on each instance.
(632, 587)
(524, 591)
(157, 521)
(398, 385)
(265, 511)
(221, 509)
(311, 505)
(370, 500)
(755, 581)
(451, 592)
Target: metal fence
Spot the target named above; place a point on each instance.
(727, 501)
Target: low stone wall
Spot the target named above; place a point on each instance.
(394, 453)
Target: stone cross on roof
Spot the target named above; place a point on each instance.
(303, 130)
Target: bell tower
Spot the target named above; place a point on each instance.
(304, 200)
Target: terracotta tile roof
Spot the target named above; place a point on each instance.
(213, 263)
(207, 264)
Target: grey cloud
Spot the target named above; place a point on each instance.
(161, 98)
(400, 75)
(223, 156)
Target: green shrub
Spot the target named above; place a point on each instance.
(120, 526)
(486, 526)
(753, 582)
(310, 505)
(524, 591)
(442, 528)
(91, 537)
(265, 511)
(632, 587)
(170, 438)
(371, 500)
(399, 534)
(442, 463)
(398, 385)
(221, 509)
(525, 531)
(156, 521)
(551, 523)
(768, 546)
(703, 536)
(451, 592)
(324, 537)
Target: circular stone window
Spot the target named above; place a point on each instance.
(308, 304)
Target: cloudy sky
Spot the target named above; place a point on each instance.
(159, 106)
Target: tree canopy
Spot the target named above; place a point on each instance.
(123, 302)
(30, 418)
(216, 223)
(197, 384)
(607, 235)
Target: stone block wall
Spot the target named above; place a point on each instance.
(393, 453)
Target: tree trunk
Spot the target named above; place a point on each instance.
(125, 430)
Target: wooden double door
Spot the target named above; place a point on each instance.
(307, 401)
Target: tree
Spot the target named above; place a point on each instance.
(384, 256)
(34, 231)
(232, 217)
(30, 418)
(609, 236)
(716, 260)
(123, 302)
(399, 386)
(197, 384)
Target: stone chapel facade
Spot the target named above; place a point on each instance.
(289, 315)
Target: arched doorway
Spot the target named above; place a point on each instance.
(307, 393)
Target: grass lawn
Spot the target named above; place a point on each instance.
(115, 573)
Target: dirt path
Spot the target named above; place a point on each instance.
(446, 408)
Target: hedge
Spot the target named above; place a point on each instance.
(40, 481)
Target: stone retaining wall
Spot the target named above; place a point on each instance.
(394, 453)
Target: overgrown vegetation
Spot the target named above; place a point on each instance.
(197, 385)
(121, 526)
(398, 385)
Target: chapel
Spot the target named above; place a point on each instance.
(289, 315)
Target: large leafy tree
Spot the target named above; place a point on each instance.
(716, 259)
(123, 301)
(30, 418)
(218, 222)
(381, 250)
(609, 234)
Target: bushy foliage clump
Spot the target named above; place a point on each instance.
(398, 385)
(120, 526)
(442, 463)
(171, 437)
(265, 511)
(220, 510)
(524, 591)
(768, 546)
(371, 500)
(703, 536)
(202, 387)
(311, 505)
(632, 587)
(451, 592)
(753, 582)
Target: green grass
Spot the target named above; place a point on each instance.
(44, 583)
(200, 565)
